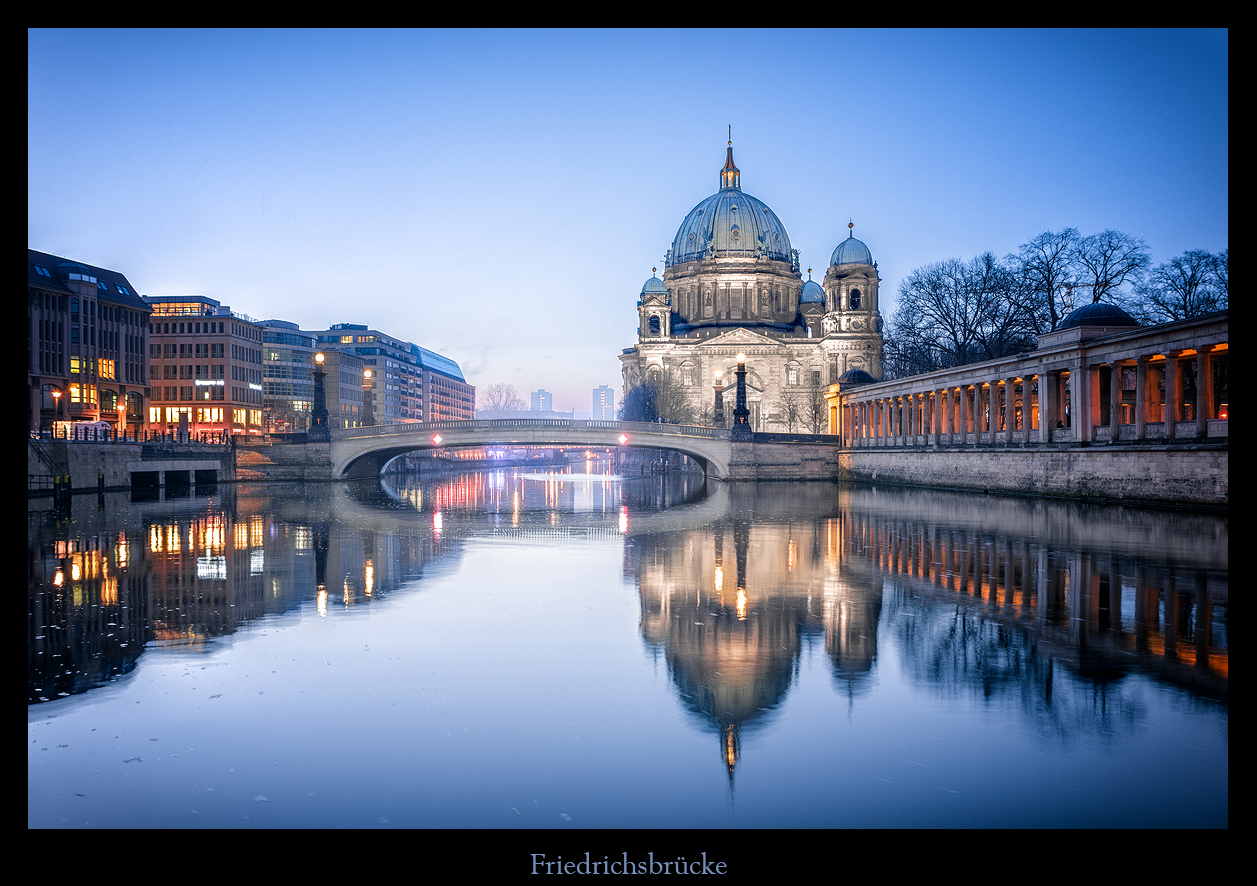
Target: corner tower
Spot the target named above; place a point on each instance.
(852, 323)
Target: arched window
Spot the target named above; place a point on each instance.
(855, 299)
(653, 325)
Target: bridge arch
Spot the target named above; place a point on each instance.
(363, 452)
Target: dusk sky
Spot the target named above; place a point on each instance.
(501, 196)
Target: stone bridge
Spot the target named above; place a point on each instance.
(363, 452)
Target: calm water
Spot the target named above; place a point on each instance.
(498, 650)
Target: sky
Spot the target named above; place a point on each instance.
(500, 197)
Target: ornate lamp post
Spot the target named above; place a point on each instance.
(56, 410)
(718, 417)
(741, 425)
(319, 430)
(368, 414)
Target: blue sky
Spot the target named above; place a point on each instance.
(501, 196)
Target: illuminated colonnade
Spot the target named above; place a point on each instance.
(1165, 613)
(1082, 385)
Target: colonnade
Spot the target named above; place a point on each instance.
(1156, 384)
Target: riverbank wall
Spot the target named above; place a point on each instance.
(94, 466)
(1182, 476)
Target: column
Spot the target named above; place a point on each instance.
(1141, 396)
(1048, 382)
(1173, 393)
(1081, 419)
(1010, 409)
(992, 416)
(1204, 391)
(1115, 401)
(977, 421)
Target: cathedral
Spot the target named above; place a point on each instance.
(731, 285)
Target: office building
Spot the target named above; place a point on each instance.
(86, 346)
(206, 368)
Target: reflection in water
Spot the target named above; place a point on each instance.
(985, 595)
(938, 608)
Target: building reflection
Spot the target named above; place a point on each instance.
(994, 596)
(101, 591)
(731, 605)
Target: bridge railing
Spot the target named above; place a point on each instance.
(511, 423)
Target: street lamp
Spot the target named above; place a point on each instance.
(741, 427)
(319, 430)
(368, 414)
(56, 410)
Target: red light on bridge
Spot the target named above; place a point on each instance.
(623, 439)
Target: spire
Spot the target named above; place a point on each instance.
(850, 229)
(729, 176)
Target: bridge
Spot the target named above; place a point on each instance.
(359, 453)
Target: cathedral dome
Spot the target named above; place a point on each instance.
(851, 251)
(812, 293)
(730, 223)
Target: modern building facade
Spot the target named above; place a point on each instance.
(541, 401)
(287, 377)
(87, 343)
(603, 404)
(731, 285)
(343, 388)
(205, 363)
(446, 395)
(408, 383)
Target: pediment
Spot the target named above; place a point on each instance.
(739, 337)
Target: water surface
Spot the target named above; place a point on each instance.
(495, 650)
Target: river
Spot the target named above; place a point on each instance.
(516, 649)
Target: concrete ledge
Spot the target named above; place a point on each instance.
(1196, 476)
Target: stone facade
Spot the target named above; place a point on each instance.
(731, 284)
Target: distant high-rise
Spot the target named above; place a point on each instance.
(604, 404)
(542, 401)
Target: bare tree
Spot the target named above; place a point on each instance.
(1045, 265)
(815, 409)
(662, 397)
(500, 397)
(1106, 260)
(956, 312)
(1189, 285)
(789, 410)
